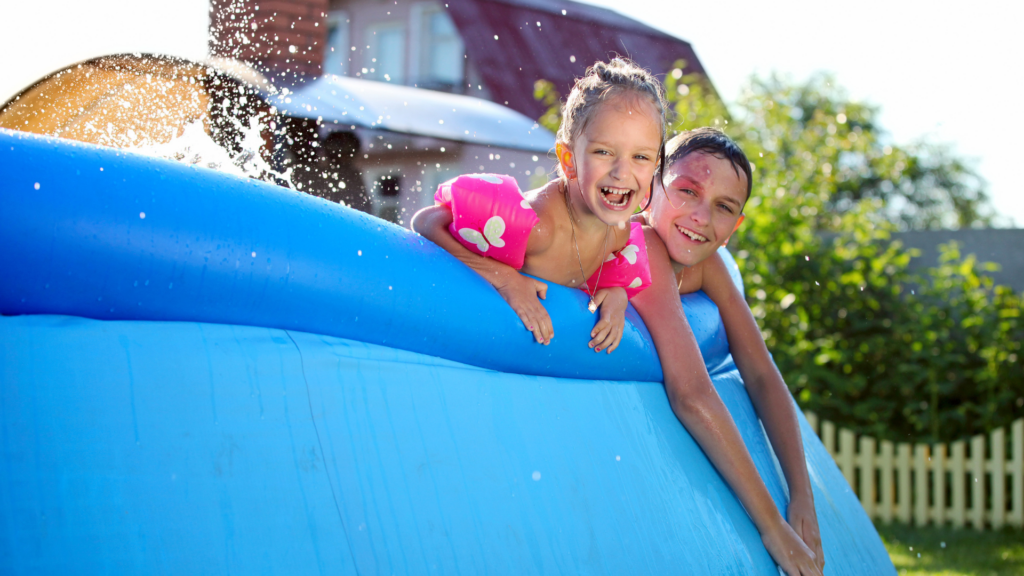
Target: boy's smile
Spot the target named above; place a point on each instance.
(615, 158)
(699, 206)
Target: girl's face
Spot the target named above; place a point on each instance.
(613, 161)
(699, 206)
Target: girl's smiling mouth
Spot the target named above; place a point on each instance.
(616, 198)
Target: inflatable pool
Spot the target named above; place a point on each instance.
(204, 374)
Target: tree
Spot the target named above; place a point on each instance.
(817, 132)
(860, 339)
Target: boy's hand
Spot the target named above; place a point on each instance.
(521, 293)
(790, 552)
(607, 333)
(804, 521)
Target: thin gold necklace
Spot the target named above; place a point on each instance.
(593, 305)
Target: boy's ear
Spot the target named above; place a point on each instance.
(735, 228)
(565, 158)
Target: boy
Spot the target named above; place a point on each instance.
(696, 208)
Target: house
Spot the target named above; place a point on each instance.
(493, 50)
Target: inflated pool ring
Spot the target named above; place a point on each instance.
(202, 374)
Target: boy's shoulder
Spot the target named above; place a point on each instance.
(717, 281)
(710, 275)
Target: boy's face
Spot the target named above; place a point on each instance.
(699, 206)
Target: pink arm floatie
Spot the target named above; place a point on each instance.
(489, 216)
(628, 267)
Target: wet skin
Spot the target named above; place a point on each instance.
(698, 208)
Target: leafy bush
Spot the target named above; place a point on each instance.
(860, 339)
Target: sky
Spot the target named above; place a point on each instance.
(942, 71)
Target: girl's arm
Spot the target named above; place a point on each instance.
(770, 396)
(697, 405)
(521, 292)
(607, 333)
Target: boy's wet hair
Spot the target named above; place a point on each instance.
(601, 82)
(713, 142)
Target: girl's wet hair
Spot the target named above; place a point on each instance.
(708, 141)
(602, 82)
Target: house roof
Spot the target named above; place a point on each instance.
(407, 110)
(511, 51)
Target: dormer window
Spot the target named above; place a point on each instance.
(385, 57)
(338, 58)
(441, 58)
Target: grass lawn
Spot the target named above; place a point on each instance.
(947, 552)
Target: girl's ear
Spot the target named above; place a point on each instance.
(565, 158)
(735, 228)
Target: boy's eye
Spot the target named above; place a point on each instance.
(726, 207)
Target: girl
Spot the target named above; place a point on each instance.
(697, 205)
(575, 230)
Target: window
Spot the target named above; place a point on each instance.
(337, 60)
(385, 59)
(441, 58)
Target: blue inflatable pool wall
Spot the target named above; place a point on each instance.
(202, 374)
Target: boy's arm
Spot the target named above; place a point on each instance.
(769, 394)
(521, 292)
(697, 405)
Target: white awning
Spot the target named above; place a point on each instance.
(384, 106)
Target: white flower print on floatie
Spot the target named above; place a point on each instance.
(490, 216)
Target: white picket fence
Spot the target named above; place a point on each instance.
(957, 484)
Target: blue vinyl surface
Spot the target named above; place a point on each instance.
(313, 410)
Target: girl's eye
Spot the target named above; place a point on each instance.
(641, 157)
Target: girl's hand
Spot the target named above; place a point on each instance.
(521, 293)
(607, 333)
(789, 551)
(804, 521)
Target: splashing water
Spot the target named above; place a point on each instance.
(195, 147)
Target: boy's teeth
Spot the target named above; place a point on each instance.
(692, 235)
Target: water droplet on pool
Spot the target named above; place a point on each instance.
(142, 215)
(37, 186)
(536, 475)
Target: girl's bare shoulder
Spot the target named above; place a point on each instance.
(549, 205)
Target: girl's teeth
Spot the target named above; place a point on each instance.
(624, 194)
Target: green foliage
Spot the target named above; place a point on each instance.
(859, 339)
(545, 92)
(834, 146)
